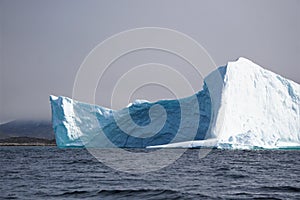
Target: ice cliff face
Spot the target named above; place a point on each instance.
(249, 108)
(258, 108)
(139, 125)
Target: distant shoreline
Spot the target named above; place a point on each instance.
(26, 144)
(26, 141)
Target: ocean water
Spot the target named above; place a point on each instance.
(51, 173)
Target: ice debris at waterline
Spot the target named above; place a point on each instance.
(249, 108)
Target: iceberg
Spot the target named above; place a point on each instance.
(259, 109)
(250, 108)
(139, 125)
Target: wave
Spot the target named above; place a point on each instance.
(131, 193)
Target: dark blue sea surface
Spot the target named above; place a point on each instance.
(52, 173)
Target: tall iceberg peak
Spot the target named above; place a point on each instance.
(250, 107)
(258, 108)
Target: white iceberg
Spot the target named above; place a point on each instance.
(251, 108)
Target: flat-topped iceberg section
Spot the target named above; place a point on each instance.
(139, 125)
(249, 108)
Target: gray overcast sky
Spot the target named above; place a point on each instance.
(44, 42)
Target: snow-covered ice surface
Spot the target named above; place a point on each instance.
(258, 109)
(251, 108)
